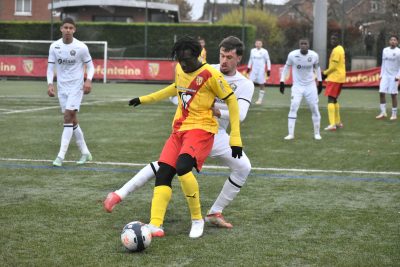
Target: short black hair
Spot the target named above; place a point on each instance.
(68, 20)
(186, 43)
(393, 36)
(230, 43)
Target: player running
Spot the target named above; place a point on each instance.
(231, 52)
(305, 64)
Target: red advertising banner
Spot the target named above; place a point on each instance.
(156, 70)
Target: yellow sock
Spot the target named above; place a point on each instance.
(337, 114)
(161, 197)
(331, 113)
(190, 188)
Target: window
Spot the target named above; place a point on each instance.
(374, 6)
(23, 7)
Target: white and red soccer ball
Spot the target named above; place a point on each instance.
(136, 236)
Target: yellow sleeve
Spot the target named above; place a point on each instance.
(168, 91)
(233, 106)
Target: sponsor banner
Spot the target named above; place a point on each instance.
(157, 70)
(362, 78)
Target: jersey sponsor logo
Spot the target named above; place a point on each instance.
(28, 65)
(57, 47)
(72, 52)
(304, 66)
(66, 61)
(185, 98)
(154, 69)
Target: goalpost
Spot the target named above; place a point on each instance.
(18, 49)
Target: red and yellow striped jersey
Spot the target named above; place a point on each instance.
(196, 94)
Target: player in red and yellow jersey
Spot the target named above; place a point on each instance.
(193, 128)
(336, 77)
(203, 53)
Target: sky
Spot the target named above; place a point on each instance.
(197, 5)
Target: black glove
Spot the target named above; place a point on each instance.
(268, 73)
(324, 76)
(134, 102)
(248, 70)
(319, 87)
(282, 87)
(236, 151)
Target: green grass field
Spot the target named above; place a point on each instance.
(334, 202)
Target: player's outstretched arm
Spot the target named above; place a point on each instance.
(166, 92)
(235, 139)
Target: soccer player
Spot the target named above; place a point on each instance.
(258, 58)
(335, 77)
(69, 56)
(203, 53)
(305, 64)
(231, 52)
(193, 128)
(390, 75)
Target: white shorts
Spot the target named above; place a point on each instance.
(388, 85)
(70, 100)
(257, 75)
(309, 92)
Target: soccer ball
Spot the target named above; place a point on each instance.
(136, 236)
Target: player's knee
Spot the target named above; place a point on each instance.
(239, 175)
(294, 106)
(165, 174)
(185, 164)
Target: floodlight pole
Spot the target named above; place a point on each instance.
(51, 20)
(320, 30)
(244, 20)
(145, 31)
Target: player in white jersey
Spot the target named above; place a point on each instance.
(390, 75)
(259, 57)
(69, 56)
(305, 64)
(231, 51)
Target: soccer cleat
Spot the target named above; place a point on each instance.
(197, 228)
(393, 117)
(289, 137)
(111, 200)
(317, 137)
(218, 220)
(381, 116)
(331, 128)
(156, 231)
(58, 162)
(258, 102)
(339, 125)
(84, 158)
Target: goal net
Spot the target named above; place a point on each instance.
(40, 49)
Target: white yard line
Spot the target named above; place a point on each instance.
(54, 107)
(219, 167)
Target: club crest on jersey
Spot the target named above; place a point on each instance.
(185, 99)
(233, 86)
(72, 52)
(28, 65)
(199, 80)
(309, 59)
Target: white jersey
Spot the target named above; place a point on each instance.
(390, 62)
(258, 59)
(243, 89)
(69, 60)
(304, 67)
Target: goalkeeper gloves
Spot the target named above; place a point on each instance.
(324, 76)
(282, 87)
(319, 87)
(236, 151)
(134, 102)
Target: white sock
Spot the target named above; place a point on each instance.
(227, 194)
(383, 108)
(394, 111)
(291, 125)
(137, 181)
(80, 140)
(65, 139)
(261, 95)
(317, 124)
